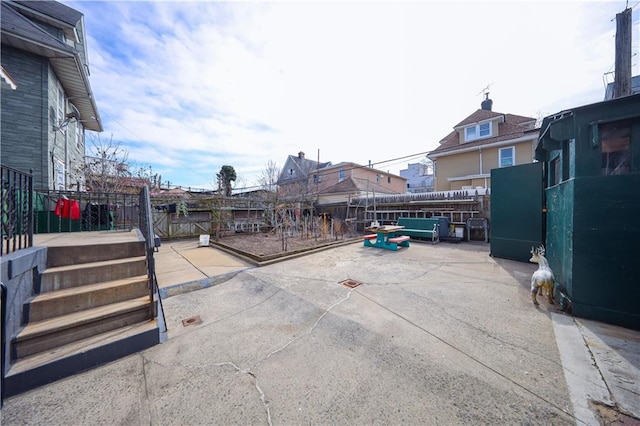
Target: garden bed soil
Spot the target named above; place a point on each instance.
(269, 245)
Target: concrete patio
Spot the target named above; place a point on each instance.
(434, 334)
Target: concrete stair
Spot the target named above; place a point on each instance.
(74, 299)
(91, 306)
(68, 276)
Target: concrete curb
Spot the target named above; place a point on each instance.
(186, 287)
(584, 382)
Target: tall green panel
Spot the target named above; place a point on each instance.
(516, 211)
(606, 235)
(559, 238)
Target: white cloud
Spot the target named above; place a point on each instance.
(192, 86)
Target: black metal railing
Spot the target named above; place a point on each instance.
(3, 337)
(16, 210)
(146, 228)
(76, 211)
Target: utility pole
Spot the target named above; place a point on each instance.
(622, 83)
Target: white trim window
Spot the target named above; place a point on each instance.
(507, 156)
(478, 131)
(60, 106)
(60, 175)
(78, 135)
(341, 175)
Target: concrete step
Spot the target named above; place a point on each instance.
(64, 361)
(40, 336)
(75, 299)
(73, 255)
(88, 273)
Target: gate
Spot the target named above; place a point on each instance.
(517, 217)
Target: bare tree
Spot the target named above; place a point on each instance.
(268, 179)
(540, 116)
(427, 167)
(107, 168)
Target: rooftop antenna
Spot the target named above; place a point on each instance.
(487, 103)
(485, 91)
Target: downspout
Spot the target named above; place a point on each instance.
(53, 161)
(66, 158)
(481, 169)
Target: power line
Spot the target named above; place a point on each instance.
(403, 158)
(394, 161)
(156, 149)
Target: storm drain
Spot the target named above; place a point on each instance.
(191, 321)
(350, 283)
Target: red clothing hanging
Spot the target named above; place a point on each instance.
(67, 209)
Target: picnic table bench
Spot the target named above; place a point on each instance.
(386, 237)
(420, 228)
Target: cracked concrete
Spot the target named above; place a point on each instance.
(437, 334)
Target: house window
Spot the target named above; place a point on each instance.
(484, 130)
(377, 178)
(478, 131)
(470, 133)
(317, 178)
(507, 156)
(78, 135)
(60, 107)
(290, 172)
(60, 175)
(616, 148)
(340, 175)
(388, 179)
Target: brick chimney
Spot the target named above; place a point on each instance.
(487, 103)
(301, 155)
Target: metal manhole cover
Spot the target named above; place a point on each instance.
(191, 321)
(350, 283)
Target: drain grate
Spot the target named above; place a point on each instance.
(350, 283)
(191, 321)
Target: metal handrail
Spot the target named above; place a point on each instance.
(3, 337)
(146, 227)
(16, 210)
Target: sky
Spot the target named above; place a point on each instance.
(187, 87)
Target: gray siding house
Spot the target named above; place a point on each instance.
(49, 103)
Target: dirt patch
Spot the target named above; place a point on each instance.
(266, 245)
(611, 416)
